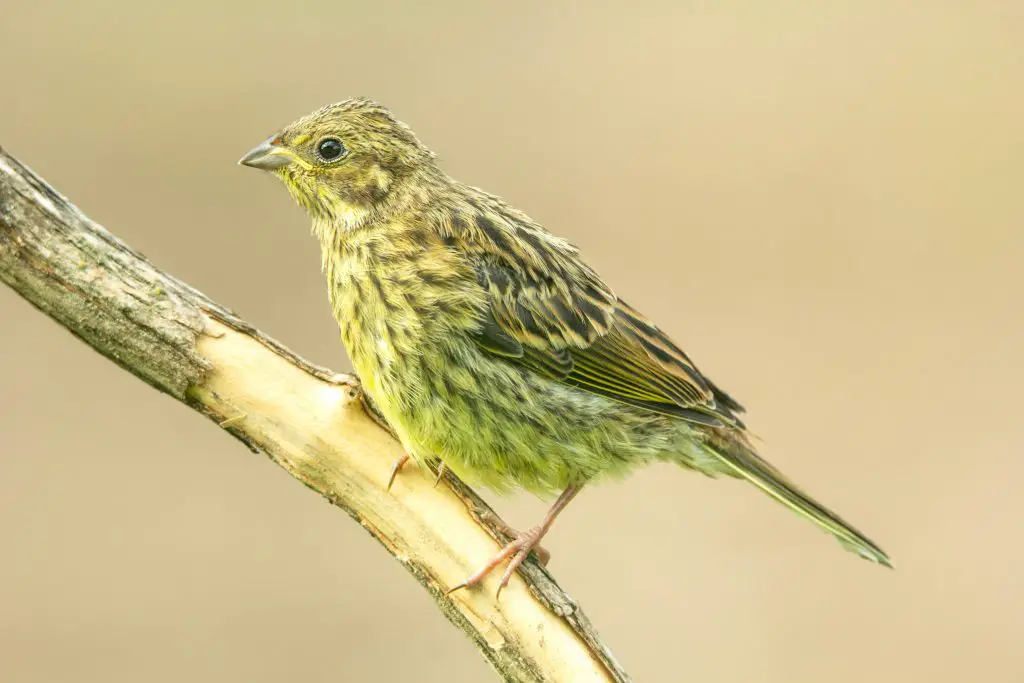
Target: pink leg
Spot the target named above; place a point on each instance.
(520, 547)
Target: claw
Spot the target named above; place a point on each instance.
(395, 469)
(232, 420)
(441, 469)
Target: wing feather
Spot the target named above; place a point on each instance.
(551, 313)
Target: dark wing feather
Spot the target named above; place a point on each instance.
(567, 325)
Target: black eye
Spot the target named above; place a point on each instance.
(330, 149)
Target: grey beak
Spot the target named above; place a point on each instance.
(266, 156)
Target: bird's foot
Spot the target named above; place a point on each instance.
(543, 556)
(515, 552)
(522, 543)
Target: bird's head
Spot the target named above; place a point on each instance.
(342, 162)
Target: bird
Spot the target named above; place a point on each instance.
(488, 343)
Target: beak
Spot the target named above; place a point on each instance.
(267, 156)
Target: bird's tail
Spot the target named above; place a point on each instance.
(740, 460)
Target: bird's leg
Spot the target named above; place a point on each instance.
(522, 543)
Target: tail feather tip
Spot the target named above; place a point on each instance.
(869, 553)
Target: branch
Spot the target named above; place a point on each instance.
(303, 417)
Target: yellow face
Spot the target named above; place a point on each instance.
(344, 158)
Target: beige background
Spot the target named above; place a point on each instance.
(821, 201)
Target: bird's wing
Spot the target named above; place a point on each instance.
(553, 314)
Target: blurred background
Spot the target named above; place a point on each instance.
(821, 201)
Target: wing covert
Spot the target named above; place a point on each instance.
(566, 324)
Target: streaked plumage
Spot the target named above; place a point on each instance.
(486, 341)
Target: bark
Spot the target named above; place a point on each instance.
(305, 418)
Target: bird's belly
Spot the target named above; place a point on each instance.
(496, 424)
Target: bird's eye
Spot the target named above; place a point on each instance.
(330, 149)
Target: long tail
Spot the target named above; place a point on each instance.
(740, 460)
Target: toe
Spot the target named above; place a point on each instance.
(441, 467)
(395, 469)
